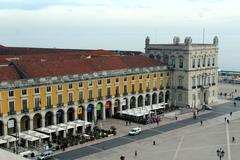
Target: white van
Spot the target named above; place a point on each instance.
(45, 155)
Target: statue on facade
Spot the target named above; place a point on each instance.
(147, 41)
(188, 41)
(176, 40)
(215, 40)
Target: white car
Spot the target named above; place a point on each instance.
(135, 131)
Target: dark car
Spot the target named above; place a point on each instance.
(237, 98)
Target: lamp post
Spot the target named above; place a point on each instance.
(220, 153)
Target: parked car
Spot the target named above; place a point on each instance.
(206, 107)
(237, 98)
(135, 131)
(45, 155)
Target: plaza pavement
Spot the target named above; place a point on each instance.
(193, 142)
(110, 145)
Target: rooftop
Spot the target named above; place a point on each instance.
(23, 63)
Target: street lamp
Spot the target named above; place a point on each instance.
(220, 153)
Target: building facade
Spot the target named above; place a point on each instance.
(106, 90)
(194, 69)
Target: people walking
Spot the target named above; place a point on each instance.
(230, 113)
(233, 139)
(228, 121)
(201, 122)
(154, 143)
(135, 153)
(225, 118)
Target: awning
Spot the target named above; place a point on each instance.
(46, 130)
(2, 141)
(37, 134)
(9, 138)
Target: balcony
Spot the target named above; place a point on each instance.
(11, 113)
(99, 98)
(108, 96)
(194, 87)
(90, 99)
(154, 89)
(140, 91)
(71, 103)
(36, 108)
(148, 90)
(161, 88)
(59, 105)
(80, 101)
(199, 86)
(117, 95)
(125, 93)
(168, 86)
(179, 87)
(133, 92)
(25, 110)
(49, 106)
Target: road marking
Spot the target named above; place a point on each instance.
(178, 148)
(131, 139)
(228, 142)
(96, 148)
(155, 130)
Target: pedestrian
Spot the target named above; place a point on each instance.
(228, 121)
(230, 113)
(126, 123)
(122, 158)
(176, 117)
(225, 118)
(135, 153)
(157, 122)
(233, 139)
(154, 143)
(201, 122)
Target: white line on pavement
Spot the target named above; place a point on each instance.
(228, 142)
(96, 148)
(178, 148)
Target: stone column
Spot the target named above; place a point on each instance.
(54, 118)
(76, 113)
(128, 105)
(31, 124)
(5, 128)
(112, 108)
(136, 101)
(120, 106)
(85, 114)
(65, 117)
(95, 113)
(43, 121)
(104, 112)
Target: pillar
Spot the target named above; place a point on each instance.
(143, 100)
(94, 114)
(85, 114)
(112, 108)
(75, 113)
(31, 124)
(54, 118)
(43, 121)
(104, 112)
(5, 128)
(65, 116)
(120, 105)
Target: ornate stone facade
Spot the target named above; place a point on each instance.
(194, 68)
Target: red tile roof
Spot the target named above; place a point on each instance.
(38, 62)
(8, 73)
(45, 67)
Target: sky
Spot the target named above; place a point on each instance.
(121, 24)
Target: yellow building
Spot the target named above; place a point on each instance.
(41, 91)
